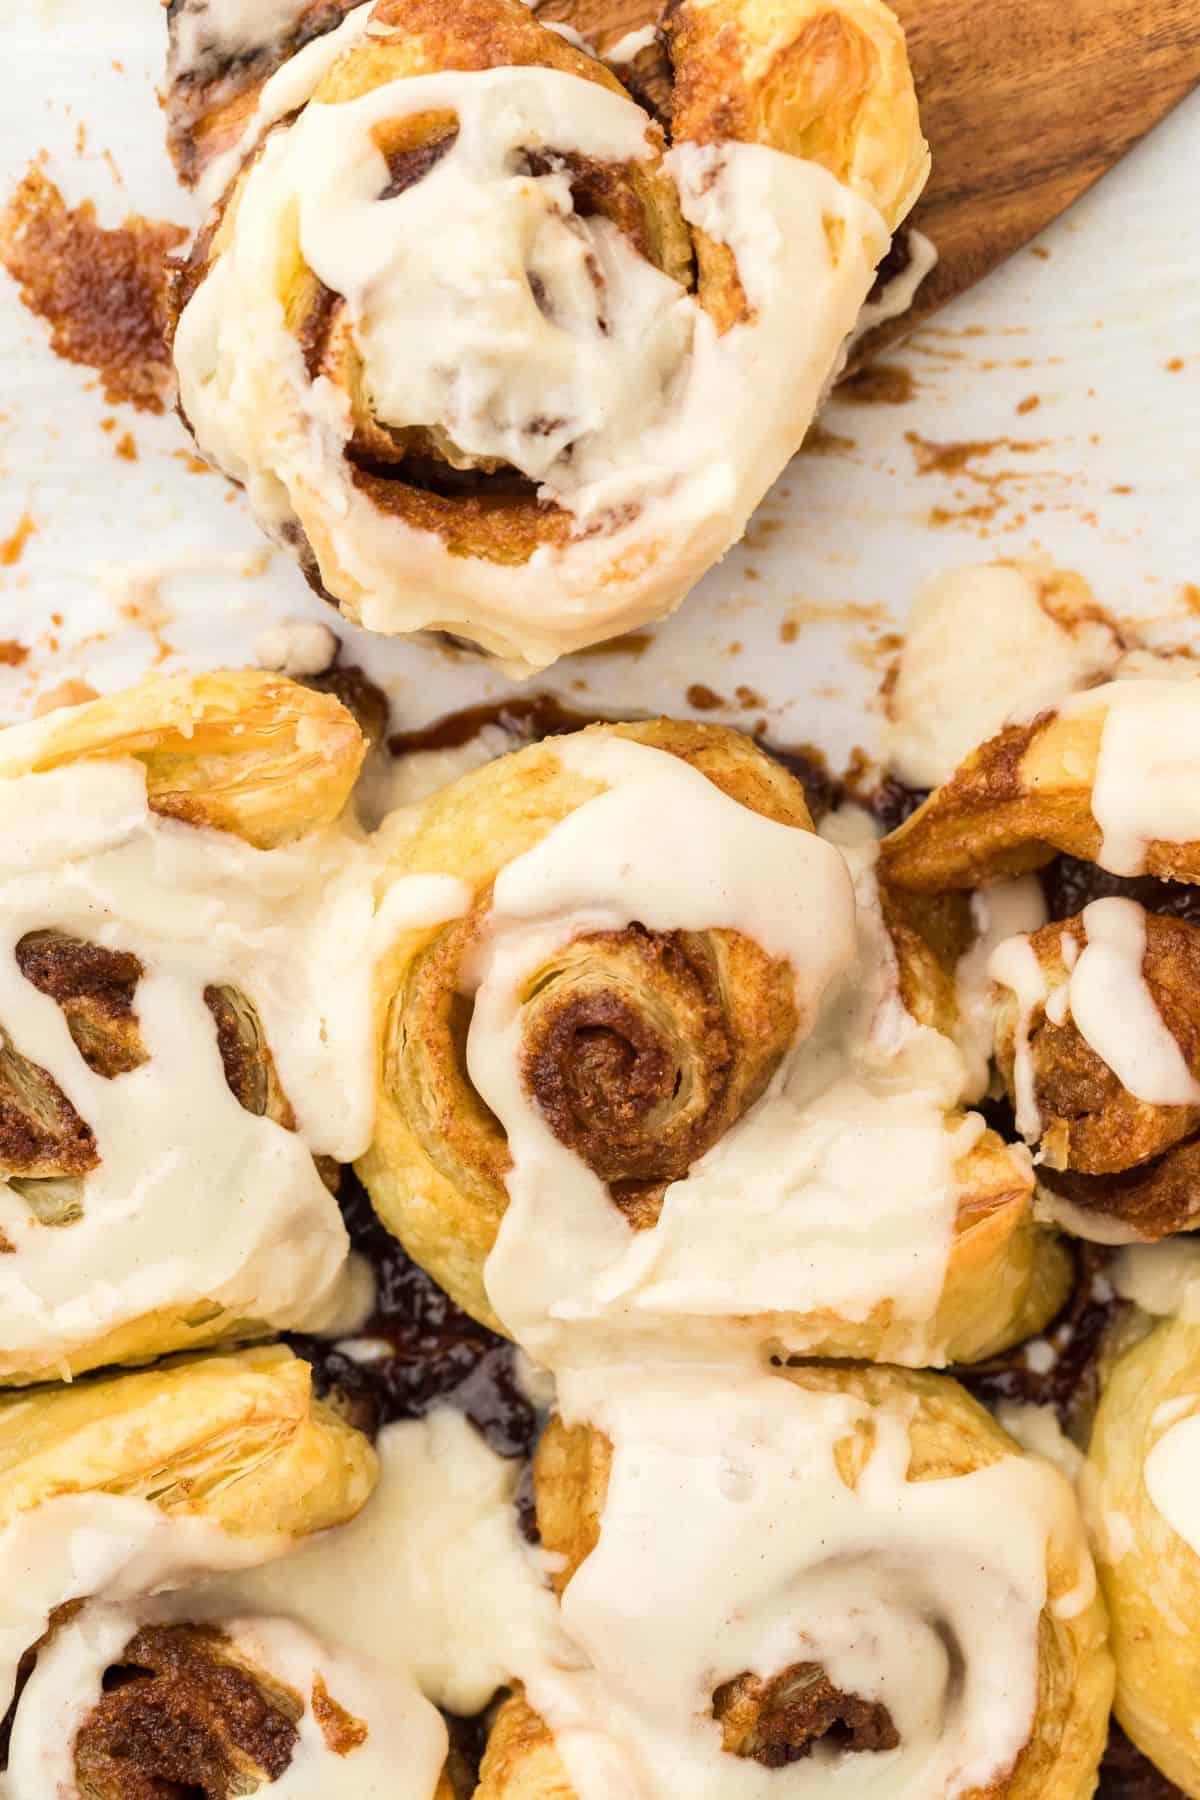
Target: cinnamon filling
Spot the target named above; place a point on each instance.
(181, 1719)
(778, 1722)
(246, 1057)
(94, 987)
(41, 1134)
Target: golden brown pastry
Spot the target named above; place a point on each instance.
(860, 1514)
(175, 885)
(1104, 777)
(124, 1485)
(1142, 1502)
(1090, 1123)
(118, 1702)
(662, 1116)
(471, 383)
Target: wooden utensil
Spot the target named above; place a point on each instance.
(1025, 104)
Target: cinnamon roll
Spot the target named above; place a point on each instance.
(463, 318)
(129, 1701)
(1108, 775)
(664, 1074)
(131, 1484)
(184, 1019)
(894, 1599)
(1142, 1501)
(1095, 1033)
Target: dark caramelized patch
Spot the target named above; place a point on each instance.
(410, 163)
(102, 293)
(180, 1716)
(95, 988)
(1070, 884)
(1155, 1199)
(440, 1356)
(1125, 1774)
(363, 699)
(340, 1729)
(778, 1722)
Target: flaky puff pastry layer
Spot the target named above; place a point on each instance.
(950, 1435)
(706, 1016)
(239, 1441)
(1014, 804)
(1150, 1574)
(237, 750)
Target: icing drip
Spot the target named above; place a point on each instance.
(923, 1597)
(1000, 912)
(1014, 965)
(1145, 788)
(1163, 1279)
(1172, 1476)
(432, 1575)
(863, 1088)
(192, 1200)
(362, 1733)
(1115, 1012)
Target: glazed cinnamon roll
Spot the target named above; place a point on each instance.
(184, 995)
(122, 1702)
(1142, 1504)
(130, 1484)
(662, 1074)
(1095, 1032)
(809, 1580)
(463, 317)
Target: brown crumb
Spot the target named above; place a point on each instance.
(748, 700)
(820, 442)
(12, 548)
(126, 448)
(879, 384)
(951, 459)
(68, 693)
(1040, 252)
(102, 293)
(1175, 365)
(340, 1729)
(789, 631)
(1029, 404)
(703, 699)
(12, 654)
(195, 465)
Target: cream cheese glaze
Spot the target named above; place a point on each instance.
(1172, 1475)
(925, 1596)
(983, 642)
(431, 1576)
(195, 1200)
(1145, 786)
(864, 1088)
(400, 1756)
(631, 455)
(111, 1546)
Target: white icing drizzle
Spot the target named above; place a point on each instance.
(1172, 1475)
(923, 1596)
(999, 912)
(1036, 1429)
(631, 45)
(1163, 1279)
(1014, 964)
(611, 416)
(863, 1088)
(1145, 787)
(980, 647)
(195, 1199)
(900, 292)
(74, 1546)
(1115, 1012)
(401, 1757)
(431, 1576)
(287, 89)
